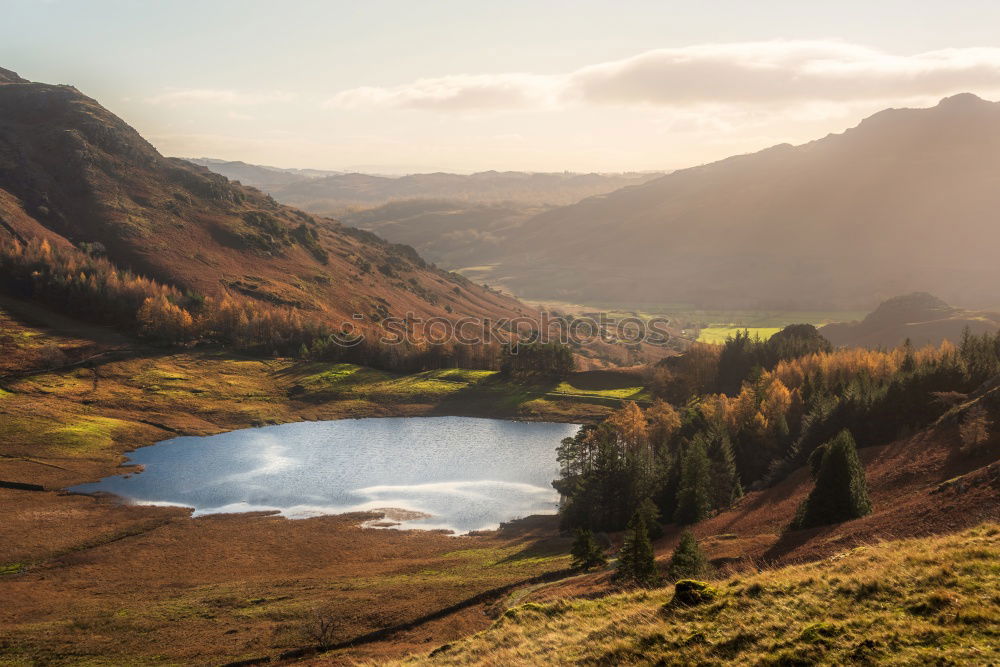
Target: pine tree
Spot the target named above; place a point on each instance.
(666, 481)
(688, 561)
(841, 492)
(816, 460)
(636, 562)
(694, 496)
(586, 552)
(726, 487)
(651, 515)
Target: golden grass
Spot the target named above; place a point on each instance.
(635, 393)
(85, 434)
(933, 600)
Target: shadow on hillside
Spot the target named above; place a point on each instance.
(794, 486)
(543, 548)
(790, 540)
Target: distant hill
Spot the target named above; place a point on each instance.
(76, 175)
(259, 176)
(451, 233)
(907, 200)
(921, 317)
(332, 193)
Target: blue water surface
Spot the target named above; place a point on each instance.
(462, 473)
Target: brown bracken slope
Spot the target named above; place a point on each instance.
(73, 172)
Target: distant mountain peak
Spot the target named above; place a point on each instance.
(913, 307)
(919, 317)
(963, 100)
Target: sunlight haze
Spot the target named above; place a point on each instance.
(395, 87)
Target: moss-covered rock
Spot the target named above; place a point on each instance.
(691, 592)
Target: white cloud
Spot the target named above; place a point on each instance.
(743, 73)
(215, 96)
(457, 93)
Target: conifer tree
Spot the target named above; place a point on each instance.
(841, 492)
(651, 515)
(694, 495)
(636, 562)
(726, 487)
(816, 460)
(688, 561)
(586, 552)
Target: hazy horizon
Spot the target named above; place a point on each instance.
(337, 86)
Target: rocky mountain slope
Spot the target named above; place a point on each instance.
(75, 174)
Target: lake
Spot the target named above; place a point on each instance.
(453, 473)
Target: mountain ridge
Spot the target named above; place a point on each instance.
(717, 210)
(74, 174)
(335, 192)
(842, 222)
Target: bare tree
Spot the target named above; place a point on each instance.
(320, 626)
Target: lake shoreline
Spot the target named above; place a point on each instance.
(459, 474)
(73, 556)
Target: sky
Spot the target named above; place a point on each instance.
(464, 85)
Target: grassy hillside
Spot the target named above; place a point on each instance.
(933, 600)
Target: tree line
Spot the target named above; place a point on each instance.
(697, 455)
